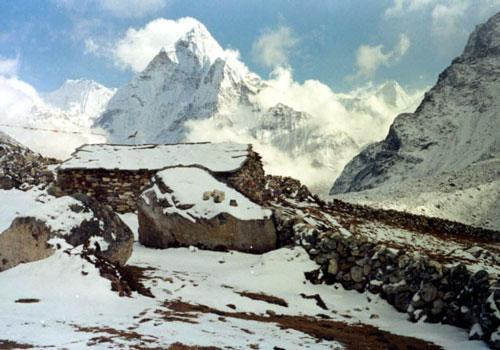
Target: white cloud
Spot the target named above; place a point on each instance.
(273, 47)
(400, 7)
(370, 58)
(9, 66)
(448, 19)
(330, 115)
(91, 47)
(133, 8)
(138, 47)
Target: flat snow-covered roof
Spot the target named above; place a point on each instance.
(217, 157)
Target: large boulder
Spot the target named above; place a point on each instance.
(50, 222)
(188, 206)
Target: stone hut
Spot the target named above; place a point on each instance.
(117, 174)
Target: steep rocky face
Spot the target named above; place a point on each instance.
(194, 87)
(299, 136)
(20, 167)
(454, 128)
(194, 81)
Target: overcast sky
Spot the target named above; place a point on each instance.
(342, 43)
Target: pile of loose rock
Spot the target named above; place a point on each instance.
(21, 168)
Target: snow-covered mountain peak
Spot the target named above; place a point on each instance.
(82, 98)
(393, 94)
(450, 144)
(200, 43)
(195, 78)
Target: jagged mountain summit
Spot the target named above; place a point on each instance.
(451, 143)
(194, 90)
(85, 99)
(196, 79)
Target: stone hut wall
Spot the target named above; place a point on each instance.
(118, 188)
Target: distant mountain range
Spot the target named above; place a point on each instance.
(196, 80)
(195, 90)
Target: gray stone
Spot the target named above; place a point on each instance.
(356, 273)
(333, 266)
(428, 292)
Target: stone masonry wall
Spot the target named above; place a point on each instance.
(249, 180)
(425, 289)
(118, 188)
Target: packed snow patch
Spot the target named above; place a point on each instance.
(77, 305)
(190, 188)
(55, 212)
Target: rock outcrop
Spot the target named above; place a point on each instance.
(453, 127)
(77, 221)
(24, 241)
(187, 206)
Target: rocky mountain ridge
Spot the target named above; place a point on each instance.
(20, 167)
(451, 132)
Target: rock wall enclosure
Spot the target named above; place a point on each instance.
(426, 287)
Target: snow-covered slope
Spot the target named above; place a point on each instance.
(7, 141)
(196, 79)
(453, 131)
(201, 299)
(84, 99)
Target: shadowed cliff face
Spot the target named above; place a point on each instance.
(452, 129)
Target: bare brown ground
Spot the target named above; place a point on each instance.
(27, 301)
(353, 337)
(11, 345)
(180, 346)
(264, 297)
